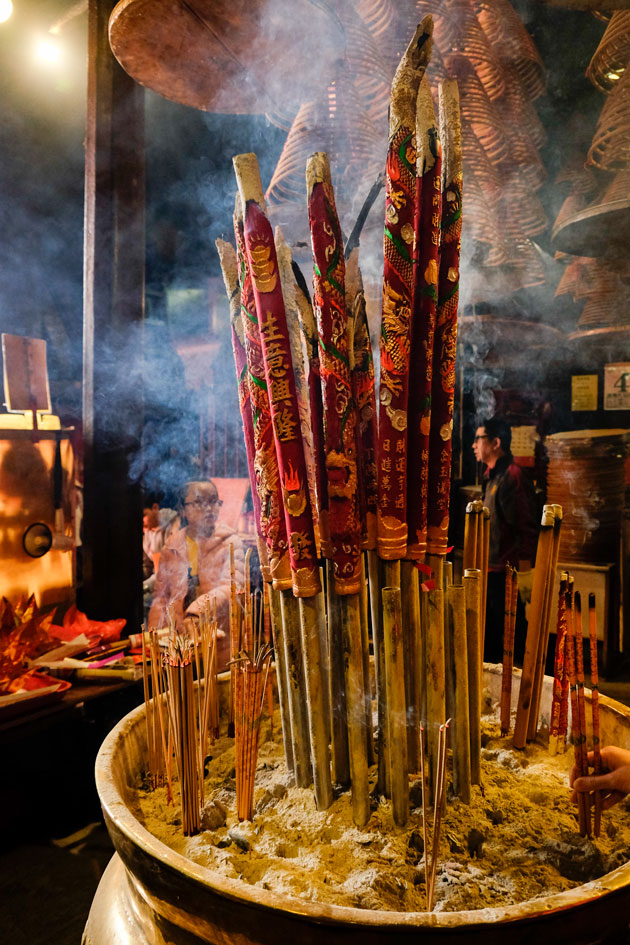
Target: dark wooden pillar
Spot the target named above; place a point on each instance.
(114, 257)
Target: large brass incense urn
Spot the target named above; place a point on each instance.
(150, 895)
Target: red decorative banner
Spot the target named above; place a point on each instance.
(339, 409)
(445, 342)
(276, 349)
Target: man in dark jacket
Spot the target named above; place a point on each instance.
(511, 499)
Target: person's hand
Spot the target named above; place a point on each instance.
(614, 782)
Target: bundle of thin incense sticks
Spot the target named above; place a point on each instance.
(431, 855)
(158, 752)
(182, 715)
(252, 671)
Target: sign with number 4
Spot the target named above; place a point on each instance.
(617, 386)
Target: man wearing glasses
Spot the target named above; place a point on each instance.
(194, 567)
(511, 499)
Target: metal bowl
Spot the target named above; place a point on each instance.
(150, 895)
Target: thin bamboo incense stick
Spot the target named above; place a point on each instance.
(410, 600)
(534, 626)
(456, 597)
(484, 522)
(365, 651)
(319, 730)
(438, 809)
(575, 712)
(396, 706)
(597, 761)
(470, 537)
(511, 595)
(472, 581)
(282, 678)
(425, 832)
(543, 644)
(436, 681)
(579, 666)
(339, 723)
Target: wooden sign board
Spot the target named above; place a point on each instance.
(25, 374)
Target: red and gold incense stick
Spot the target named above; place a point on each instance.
(445, 341)
(339, 408)
(559, 670)
(575, 712)
(579, 666)
(597, 760)
(426, 268)
(398, 288)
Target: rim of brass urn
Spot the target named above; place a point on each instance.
(116, 809)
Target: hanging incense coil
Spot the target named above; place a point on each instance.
(482, 115)
(610, 309)
(506, 31)
(530, 211)
(365, 62)
(524, 157)
(522, 111)
(610, 149)
(457, 30)
(612, 56)
(480, 223)
(586, 476)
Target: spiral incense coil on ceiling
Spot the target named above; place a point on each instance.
(612, 56)
(337, 124)
(531, 213)
(524, 158)
(481, 114)
(461, 32)
(610, 149)
(522, 111)
(570, 278)
(365, 63)
(609, 309)
(515, 47)
(481, 225)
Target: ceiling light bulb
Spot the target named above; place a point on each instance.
(6, 9)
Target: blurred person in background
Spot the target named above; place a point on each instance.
(194, 566)
(510, 497)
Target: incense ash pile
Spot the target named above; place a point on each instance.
(518, 839)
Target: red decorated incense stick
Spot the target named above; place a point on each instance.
(276, 348)
(398, 278)
(597, 759)
(575, 712)
(272, 525)
(229, 267)
(579, 666)
(339, 409)
(559, 671)
(363, 391)
(445, 341)
(427, 227)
